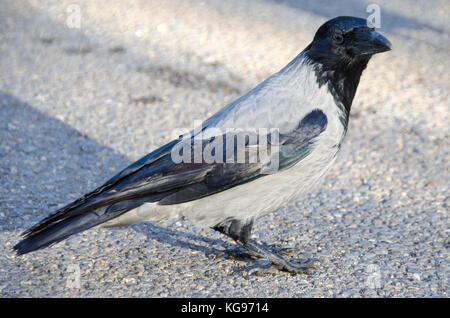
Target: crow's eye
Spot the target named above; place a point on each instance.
(338, 38)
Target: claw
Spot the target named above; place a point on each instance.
(256, 250)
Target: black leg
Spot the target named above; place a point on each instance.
(240, 232)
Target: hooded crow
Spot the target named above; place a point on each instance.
(264, 150)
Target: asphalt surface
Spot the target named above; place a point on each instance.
(78, 104)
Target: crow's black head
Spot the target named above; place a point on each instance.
(340, 51)
(343, 41)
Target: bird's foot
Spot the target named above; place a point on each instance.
(277, 261)
(240, 232)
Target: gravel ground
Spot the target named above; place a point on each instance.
(78, 104)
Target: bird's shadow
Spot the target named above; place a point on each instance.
(181, 239)
(210, 247)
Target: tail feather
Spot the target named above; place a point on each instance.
(56, 232)
(66, 212)
(62, 228)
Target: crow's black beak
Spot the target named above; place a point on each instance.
(379, 43)
(368, 41)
